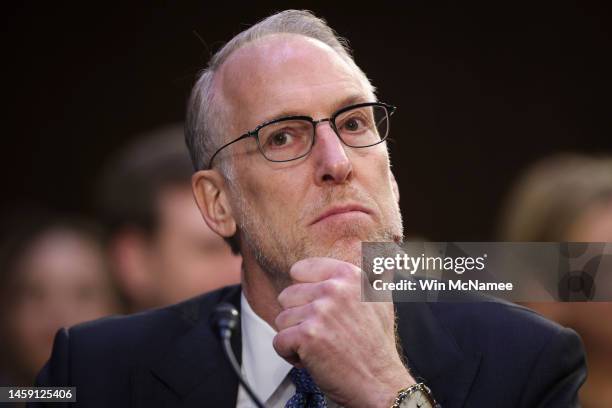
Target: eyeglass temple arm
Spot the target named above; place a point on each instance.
(248, 134)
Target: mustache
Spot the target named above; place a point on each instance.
(338, 195)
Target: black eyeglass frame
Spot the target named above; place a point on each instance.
(332, 121)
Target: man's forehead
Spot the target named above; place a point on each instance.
(270, 53)
(286, 71)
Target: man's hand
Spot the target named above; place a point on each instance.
(347, 346)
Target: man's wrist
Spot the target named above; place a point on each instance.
(392, 386)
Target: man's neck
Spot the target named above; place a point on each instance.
(260, 292)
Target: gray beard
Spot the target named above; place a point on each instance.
(275, 257)
(277, 270)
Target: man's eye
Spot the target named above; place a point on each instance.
(353, 124)
(279, 139)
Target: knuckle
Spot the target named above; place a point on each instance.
(309, 330)
(338, 289)
(348, 271)
(330, 287)
(319, 308)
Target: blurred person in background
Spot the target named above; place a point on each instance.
(160, 248)
(53, 274)
(568, 198)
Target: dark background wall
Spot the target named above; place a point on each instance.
(482, 89)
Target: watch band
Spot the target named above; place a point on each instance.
(415, 388)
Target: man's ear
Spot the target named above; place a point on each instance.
(395, 187)
(210, 192)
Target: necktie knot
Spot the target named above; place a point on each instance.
(307, 393)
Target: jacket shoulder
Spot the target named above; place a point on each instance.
(113, 348)
(524, 358)
(492, 324)
(134, 335)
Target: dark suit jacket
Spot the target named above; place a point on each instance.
(489, 354)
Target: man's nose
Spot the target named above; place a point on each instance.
(332, 163)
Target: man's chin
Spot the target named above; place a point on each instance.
(347, 249)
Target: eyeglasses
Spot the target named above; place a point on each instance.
(292, 137)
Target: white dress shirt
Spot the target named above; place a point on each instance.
(265, 371)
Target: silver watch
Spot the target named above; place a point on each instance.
(415, 396)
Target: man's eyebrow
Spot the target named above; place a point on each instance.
(352, 100)
(344, 102)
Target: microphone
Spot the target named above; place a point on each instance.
(224, 321)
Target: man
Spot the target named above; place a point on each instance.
(161, 251)
(288, 140)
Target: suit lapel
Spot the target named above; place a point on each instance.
(195, 368)
(434, 356)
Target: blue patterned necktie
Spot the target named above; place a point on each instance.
(307, 394)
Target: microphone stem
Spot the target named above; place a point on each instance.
(227, 347)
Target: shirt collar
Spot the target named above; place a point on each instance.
(264, 369)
